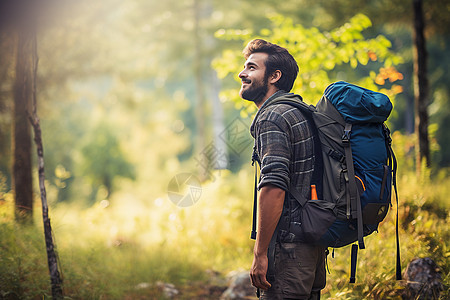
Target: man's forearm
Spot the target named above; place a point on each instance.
(271, 199)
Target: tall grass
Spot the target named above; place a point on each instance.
(120, 248)
(424, 232)
(109, 250)
(424, 216)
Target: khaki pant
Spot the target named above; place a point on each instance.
(299, 272)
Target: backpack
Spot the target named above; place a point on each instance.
(354, 171)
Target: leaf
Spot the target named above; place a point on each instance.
(353, 62)
(363, 58)
(329, 64)
(364, 20)
(383, 41)
(265, 32)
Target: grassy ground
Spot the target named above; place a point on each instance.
(126, 248)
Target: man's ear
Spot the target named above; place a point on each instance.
(275, 76)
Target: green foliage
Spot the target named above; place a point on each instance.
(398, 12)
(116, 99)
(21, 271)
(107, 250)
(138, 237)
(424, 232)
(103, 159)
(319, 54)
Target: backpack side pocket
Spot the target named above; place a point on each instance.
(316, 217)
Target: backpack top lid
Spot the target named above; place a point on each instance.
(357, 104)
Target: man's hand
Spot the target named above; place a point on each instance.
(270, 206)
(259, 271)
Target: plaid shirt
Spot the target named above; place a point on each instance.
(285, 149)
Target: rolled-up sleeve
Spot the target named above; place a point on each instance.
(274, 151)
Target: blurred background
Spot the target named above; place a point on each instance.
(147, 145)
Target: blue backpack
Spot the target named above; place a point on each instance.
(354, 172)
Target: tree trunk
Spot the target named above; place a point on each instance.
(203, 157)
(219, 129)
(21, 138)
(421, 88)
(52, 259)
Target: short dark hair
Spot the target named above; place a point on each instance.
(279, 59)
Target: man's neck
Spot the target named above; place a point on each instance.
(269, 94)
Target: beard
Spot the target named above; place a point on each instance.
(255, 92)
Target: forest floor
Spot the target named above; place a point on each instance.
(195, 290)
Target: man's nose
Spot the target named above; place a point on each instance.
(242, 74)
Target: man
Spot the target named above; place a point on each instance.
(285, 149)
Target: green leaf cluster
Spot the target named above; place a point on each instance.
(323, 56)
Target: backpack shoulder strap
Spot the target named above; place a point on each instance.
(392, 161)
(317, 177)
(255, 162)
(318, 166)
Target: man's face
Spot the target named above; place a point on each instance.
(254, 84)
